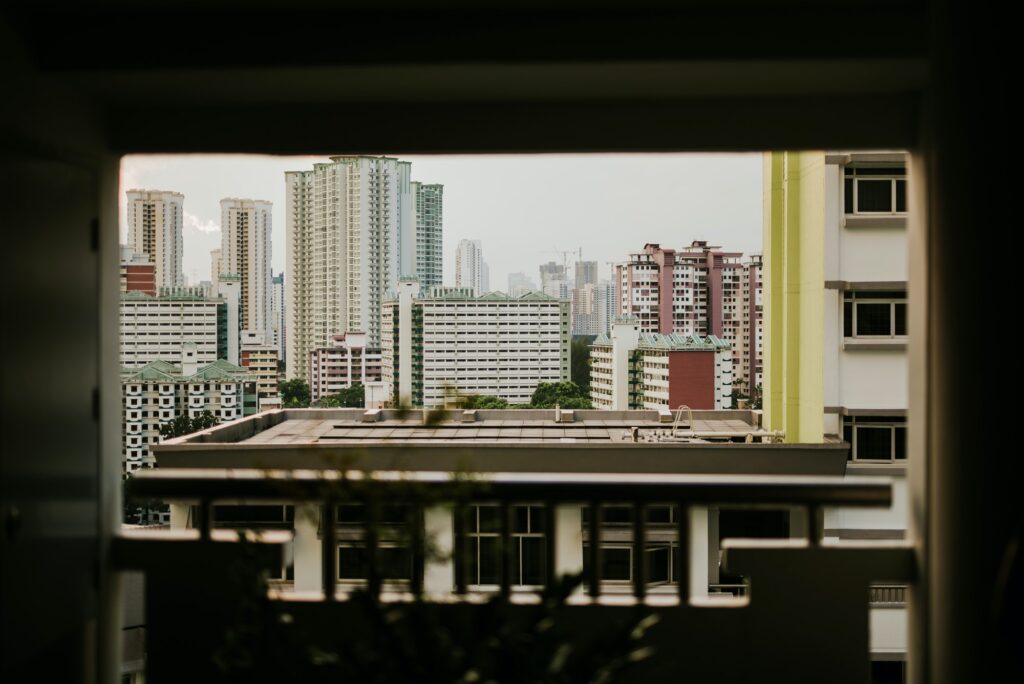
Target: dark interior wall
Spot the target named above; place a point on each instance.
(81, 87)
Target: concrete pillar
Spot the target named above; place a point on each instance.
(439, 565)
(179, 516)
(698, 551)
(569, 540)
(307, 551)
(625, 335)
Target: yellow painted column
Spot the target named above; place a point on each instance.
(794, 282)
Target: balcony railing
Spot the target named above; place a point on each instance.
(802, 606)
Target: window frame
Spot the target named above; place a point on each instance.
(897, 175)
(850, 297)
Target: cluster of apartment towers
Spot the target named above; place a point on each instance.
(364, 303)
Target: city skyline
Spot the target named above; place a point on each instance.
(561, 203)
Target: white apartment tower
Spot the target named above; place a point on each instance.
(351, 233)
(245, 251)
(470, 269)
(215, 267)
(155, 219)
(277, 314)
(428, 199)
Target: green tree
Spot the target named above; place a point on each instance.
(568, 395)
(294, 393)
(485, 401)
(350, 397)
(183, 425)
(580, 372)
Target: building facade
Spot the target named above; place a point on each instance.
(138, 273)
(470, 269)
(259, 357)
(452, 343)
(585, 273)
(277, 315)
(245, 251)
(155, 219)
(156, 328)
(347, 362)
(519, 284)
(351, 232)
(156, 393)
(697, 290)
(631, 369)
(429, 202)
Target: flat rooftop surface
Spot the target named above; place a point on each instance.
(499, 430)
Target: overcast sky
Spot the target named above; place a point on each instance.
(524, 208)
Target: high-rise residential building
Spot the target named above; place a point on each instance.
(351, 232)
(155, 219)
(246, 229)
(470, 269)
(451, 343)
(519, 284)
(216, 266)
(552, 272)
(585, 310)
(159, 391)
(429, 202)
(636, 370)
(259, 357)
(346, 362)
(697, 290)
(586, 273)
(138, 273)
(156, 328)
(277, 315)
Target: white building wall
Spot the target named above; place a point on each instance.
(469, 266)
(155, 219)
(246, 230)
(155, 328)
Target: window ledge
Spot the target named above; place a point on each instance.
(877, 221)
(869, 344)
(855, 468)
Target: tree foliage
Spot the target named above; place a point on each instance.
(294, 393)
(484, 401)
(567, 395)
(580, 372)
(350, 397)
(183, 425)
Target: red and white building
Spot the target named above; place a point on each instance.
(347, 362)
(631, 369)
(697, 290)
(138, 273)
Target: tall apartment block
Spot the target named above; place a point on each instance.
(246, 228)
(470, 269)
(451, 343)
(636, 370)
(429, 202)
(346, 362)
(554, 280)
(216, 266)
(277, 315)
(259, 357)
(155, 219)
(836, 323)
(138, 273)
(697, 290)
(156, 328)
(585, 273)
(159, 391)
(351, 232)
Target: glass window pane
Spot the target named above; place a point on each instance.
(901, 195)
(901, 443)
(873, 319)
(617, 515)
(874, 443)
(874, 195)
(901, 319)
(489, 560)
(351, 562)
(537, 519)
(520, 518)
(847, 319)
(394, 515)
(531, 560)
(659, 514)
(617, 563)
(848, 195)
(848, 437)
(658, 564)
(490, 518)
(351, 514)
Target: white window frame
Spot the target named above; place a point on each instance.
(891, 177)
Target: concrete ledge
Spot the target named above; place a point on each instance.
(371, 415)
(875, 222)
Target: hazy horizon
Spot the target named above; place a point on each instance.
(525, 209)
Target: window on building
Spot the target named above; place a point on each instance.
(876, 439)
(875, 190)
(527, 545)
(874, 314)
